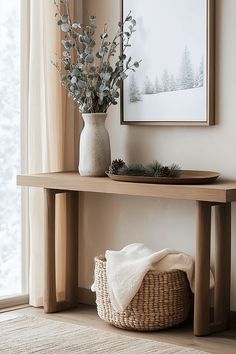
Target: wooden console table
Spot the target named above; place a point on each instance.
(218, 195)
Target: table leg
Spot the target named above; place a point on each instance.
(72, 249)
(222, 264)
(50, 304)
(202, 270)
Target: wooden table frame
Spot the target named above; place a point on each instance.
(218, 195)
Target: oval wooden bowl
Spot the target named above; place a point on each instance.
(185, 177)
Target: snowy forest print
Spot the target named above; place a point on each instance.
(187, 79)
(171, 83)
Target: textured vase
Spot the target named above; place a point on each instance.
(95, 151)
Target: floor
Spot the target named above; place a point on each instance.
(224, 343)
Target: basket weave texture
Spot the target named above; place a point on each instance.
(162, 301)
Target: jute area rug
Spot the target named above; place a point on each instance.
(38, 335)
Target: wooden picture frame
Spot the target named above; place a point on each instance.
(209, 74)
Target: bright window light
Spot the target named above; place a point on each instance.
(10, 196)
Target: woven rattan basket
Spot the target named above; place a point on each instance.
(162, 301)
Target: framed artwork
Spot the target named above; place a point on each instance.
(174, 84)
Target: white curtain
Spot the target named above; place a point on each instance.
(50, 128)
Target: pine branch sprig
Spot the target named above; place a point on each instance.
(132, 170)
(155, 169)
(174, 170)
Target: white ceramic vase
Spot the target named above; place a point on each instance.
(95, 151)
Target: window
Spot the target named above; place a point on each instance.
(11, 245)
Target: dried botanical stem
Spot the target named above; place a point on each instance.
(94, 86)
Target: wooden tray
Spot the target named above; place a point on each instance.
(185, 177)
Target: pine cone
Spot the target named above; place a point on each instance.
(115, 166)
(165, 171)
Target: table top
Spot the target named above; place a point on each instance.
(221, 191)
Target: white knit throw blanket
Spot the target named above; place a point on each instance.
(126, 269)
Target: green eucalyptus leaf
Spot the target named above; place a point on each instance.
(115, 94)
(106, 92)
(122, 57)
(102, 87)
(89, 59)
(64, 18)
(109, 69)
(81, 60)
(119, 63)
(88, 93)
(74, 80)
(73, 34)
(102, 53)
(92, 43)
(88, 50)
(75, 72)
(106, 76)
(65, 27)
(67, 44)
(123, 76)
(101, 97)
(118, 83)
(86, 39)
(81, 38)
(81, 84)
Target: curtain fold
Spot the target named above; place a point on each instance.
(51, 125)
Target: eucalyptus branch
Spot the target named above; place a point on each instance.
(91, 80)
(70, 22)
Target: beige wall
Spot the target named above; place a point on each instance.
(110, 222)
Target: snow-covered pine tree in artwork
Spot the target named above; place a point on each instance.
(134, 93)
(186, 78)
(158, 87)
(172, 86)
(196, 82)
(201, 73)
(149, 88)
(166, 81)
(199, 81)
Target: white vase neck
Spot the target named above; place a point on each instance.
(94, 118)
(97, 115)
